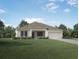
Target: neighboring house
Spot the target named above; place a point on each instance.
(39, 30)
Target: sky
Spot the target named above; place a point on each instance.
(51, 12)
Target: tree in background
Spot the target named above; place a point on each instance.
(69, 33)
(62, 26)
(23, 23)
(1, 29)
(74, 33)
(9, 32)
(65, 32)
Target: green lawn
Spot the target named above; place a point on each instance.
(37, 49)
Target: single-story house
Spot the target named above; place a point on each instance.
(37, 30)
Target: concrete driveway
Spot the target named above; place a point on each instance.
(72, 41)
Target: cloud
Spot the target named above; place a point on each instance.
(61, 0)
(52, 0)
(55, 0)
(5, 22)
(41, 20)
(51, 7)
(30, 20)
(2, 11)
(7, 25)
(67, 10)
(73, 3)
(54, 5)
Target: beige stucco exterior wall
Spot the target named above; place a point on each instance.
(17, 33)
(29, 33)
(52, 34)
(46, 33)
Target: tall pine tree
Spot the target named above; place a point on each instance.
(1, 29)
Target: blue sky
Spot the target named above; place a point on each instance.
(51, 12)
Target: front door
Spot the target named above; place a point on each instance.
(32, 34)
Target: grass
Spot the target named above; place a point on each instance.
(37, 49)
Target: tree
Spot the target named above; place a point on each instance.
(65, 31)
(1, 24)
(75, 31)
(76, 27)
(23, 23)
(9, 32)
(1, 28)
(63, 27)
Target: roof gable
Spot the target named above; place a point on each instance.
(36, 25)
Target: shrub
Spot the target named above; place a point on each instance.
(29, 38)
(42, 37)
(16, 38)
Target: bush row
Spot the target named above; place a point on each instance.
(29, 38)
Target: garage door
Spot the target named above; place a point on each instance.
(55, 35)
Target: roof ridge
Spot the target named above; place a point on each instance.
(38, 25)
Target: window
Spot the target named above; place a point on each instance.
(40, 33)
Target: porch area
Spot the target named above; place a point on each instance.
(38, 34)
(34, 33)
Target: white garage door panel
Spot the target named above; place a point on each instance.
(55, 35)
